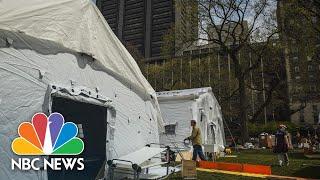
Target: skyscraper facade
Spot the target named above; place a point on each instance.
(142, 24)
(301, 44)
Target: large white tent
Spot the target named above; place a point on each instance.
(180, 106)
(61, 55)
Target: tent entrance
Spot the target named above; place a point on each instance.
(92, 129)
(211, 134)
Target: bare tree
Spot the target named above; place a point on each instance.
(231, 26)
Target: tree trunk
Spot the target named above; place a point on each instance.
(243, 109)
(242, 96)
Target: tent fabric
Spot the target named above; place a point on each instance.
(24, 92)
(180, 106)
(68, 43)
(77, 25)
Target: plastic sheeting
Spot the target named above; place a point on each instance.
(181, 106)
(77, 25)
(68, 43)
(22, 94)
(142, 155)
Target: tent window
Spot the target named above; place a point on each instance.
(170, 129)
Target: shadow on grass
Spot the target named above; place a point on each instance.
(308, 172)
(297, 155)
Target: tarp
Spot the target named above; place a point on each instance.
(77, 25)
(67, 43)
(180, 106)
(23, 92)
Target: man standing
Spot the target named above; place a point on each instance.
(282, 145)
(196, 141)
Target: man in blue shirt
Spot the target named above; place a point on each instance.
(282, 145)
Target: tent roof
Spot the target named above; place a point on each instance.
(184, 93)
(76, 25)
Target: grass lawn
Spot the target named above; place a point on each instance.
(205, 176)
(300, 166)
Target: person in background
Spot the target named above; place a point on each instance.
(282, 145)
(195, 138)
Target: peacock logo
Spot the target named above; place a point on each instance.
(47, 136)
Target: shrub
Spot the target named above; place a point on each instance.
(255, 129)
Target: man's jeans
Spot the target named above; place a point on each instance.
(197, 150)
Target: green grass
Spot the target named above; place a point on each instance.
(300, 166)
(205, 176)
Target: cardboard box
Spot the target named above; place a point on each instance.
(269, 141)
(266, 141)
(263, 141)
(187, 155)
(189, 169)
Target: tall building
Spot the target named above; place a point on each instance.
(143, 23)
(301, 48)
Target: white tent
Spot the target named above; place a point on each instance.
(180, 106)
(61, 55)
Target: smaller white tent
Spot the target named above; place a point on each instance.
(180, 106)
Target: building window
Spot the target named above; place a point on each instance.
(170, 129)
(295, 58)
(298, 77)
(296, 69)
(310, 68)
